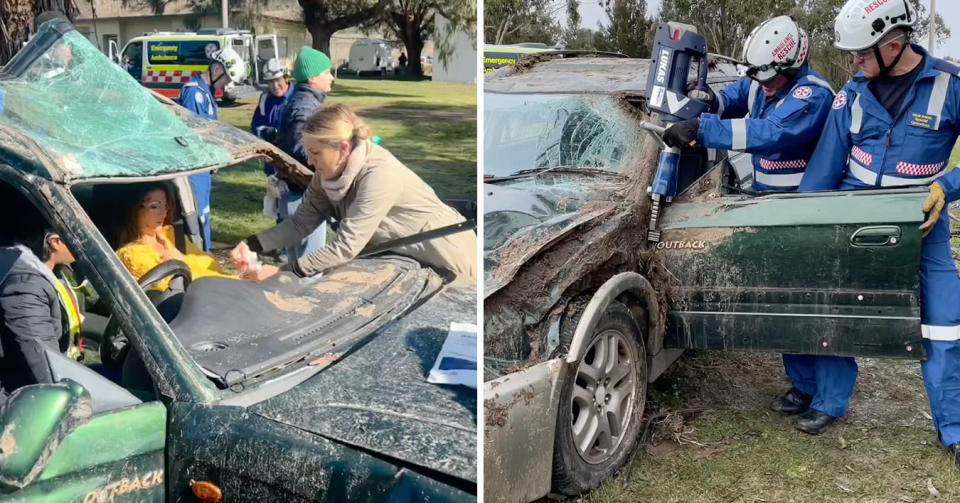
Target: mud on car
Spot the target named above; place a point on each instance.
(581, 311)
(282, 390)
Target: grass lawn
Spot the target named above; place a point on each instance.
(430, 126)
(735, 450)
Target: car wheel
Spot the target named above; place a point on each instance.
(601, 404)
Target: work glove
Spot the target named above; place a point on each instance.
(682, 134)
(705, 95)
(932, 206)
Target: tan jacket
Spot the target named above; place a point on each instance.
(386, 201)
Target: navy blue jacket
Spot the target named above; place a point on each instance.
(781, 134)
(266, 119)
(304, 101)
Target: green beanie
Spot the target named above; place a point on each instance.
(310, 63)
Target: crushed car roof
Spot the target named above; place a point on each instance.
(546, 73)
(69, 113)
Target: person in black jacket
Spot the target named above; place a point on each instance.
(31, 319)
(313, 81)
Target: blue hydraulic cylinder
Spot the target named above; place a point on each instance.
(665, 181)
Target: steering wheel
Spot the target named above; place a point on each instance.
(115, 344)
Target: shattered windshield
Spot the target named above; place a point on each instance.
(63, 93)
(529, 131)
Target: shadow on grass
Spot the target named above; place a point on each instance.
(360, 93)
(422, 112)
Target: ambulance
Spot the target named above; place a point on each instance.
(495, 56)
(164, 61)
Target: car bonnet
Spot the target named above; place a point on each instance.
(376, 397)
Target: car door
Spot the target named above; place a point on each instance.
(833, 273)
(267, 49)
(115, 456)
(132, 59)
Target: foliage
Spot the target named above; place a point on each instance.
(415, 21)
(17, 18)
(515, 21)
(727, 23)
(628, 29)
(325, 17)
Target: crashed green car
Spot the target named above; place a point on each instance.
(581, 311)
(275, 391)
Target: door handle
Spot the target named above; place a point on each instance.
(877, 235)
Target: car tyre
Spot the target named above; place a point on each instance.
(592, 412)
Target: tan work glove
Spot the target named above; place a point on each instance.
(932, 206)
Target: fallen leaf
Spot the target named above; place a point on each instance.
(845, 489)
(925, 414)
(933, 490)
(325, 359)
(843, 443)
(848, 468)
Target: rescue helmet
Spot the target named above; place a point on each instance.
(233, 65)
(273, 70)
(862, 23)
(773, 47)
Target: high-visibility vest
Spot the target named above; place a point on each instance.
(74, 320)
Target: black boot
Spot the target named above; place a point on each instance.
(814, 422)
(792, 402)
(955, 450)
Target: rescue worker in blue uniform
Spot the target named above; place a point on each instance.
(775, 113)
(266, 117)
(280, 201)
(894, 125)
(197, 95)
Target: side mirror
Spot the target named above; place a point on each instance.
(33, 422)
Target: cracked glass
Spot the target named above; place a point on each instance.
(91, 115)
(537, 131)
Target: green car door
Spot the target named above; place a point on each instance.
(56, 449)
(830, 273)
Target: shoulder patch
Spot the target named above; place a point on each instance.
(840, 100)
(199, 98)
(802, 93)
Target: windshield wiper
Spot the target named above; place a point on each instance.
(539, 171)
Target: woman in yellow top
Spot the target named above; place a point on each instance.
(148, 242)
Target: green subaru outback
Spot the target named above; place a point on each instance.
(581, 311)
(283, 390)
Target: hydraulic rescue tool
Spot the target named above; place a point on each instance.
(676, 47)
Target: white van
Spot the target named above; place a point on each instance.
(371, 55)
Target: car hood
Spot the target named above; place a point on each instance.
(376, 397)
(525, 215)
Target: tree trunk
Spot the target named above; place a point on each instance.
(414, 50)
(321, 33)
(17, 18)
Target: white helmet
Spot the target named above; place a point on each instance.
(774, 46)
(273, 70)
(236, 69)
(861, 23)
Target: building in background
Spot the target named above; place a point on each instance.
(104, 20)
(461, 64)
